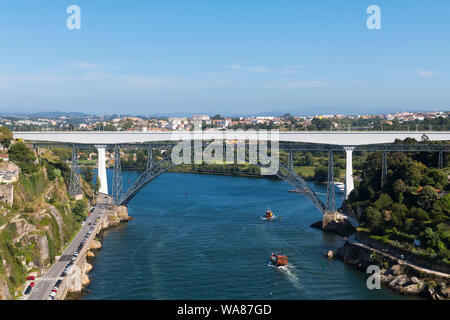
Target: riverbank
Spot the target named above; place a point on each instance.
(79, 278)
(400, 275)
(408, 275)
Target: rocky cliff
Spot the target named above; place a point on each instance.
(35, 229)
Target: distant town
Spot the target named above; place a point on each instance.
(437, 120)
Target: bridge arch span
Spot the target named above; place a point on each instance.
(158, 168)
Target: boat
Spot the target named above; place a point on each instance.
(269, 215)
(278, 260)
(340, 187)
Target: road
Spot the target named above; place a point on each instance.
(44, 284)
(402, 261)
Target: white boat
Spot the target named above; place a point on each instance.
(340, 187)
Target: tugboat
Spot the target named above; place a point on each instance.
(278, 260)
(269, 215)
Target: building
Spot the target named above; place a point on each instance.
(9, 172)
(7, 193)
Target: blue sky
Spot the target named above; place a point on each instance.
(228, 57)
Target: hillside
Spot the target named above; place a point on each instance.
(40, 222)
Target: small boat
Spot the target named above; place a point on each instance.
(269, 215)
(340, 187)
(278, 260)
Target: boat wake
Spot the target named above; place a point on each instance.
(290, 271)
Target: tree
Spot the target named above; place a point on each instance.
(21, 155)
(321, 173)
(427, 197)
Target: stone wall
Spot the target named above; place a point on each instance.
(7, 193)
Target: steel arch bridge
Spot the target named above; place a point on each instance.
(286, 173)
(155, 169)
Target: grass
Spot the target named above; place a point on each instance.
(305, 172)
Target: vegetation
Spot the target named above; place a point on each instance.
(21, 155)
(414, 203)
(41, 188)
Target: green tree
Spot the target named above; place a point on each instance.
(427, 197)
(21, 155)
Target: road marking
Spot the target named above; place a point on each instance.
(49, 278)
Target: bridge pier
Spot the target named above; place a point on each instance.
(331, 202)
(102, 170)
(75, 180)
(349, 186)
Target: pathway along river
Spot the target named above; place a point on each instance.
(198, 236)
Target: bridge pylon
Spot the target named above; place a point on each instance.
(331, 199)
(117, 188)
(291, 160)
(75, 180)
(441, 160)
(384, 170)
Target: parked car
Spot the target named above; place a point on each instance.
(73, 258)
(28, 290)
(31, 278)
(63, 274)
(32, 284)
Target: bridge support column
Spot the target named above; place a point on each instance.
(349, 186)
(102, 170)
(75, 181)
(441, 160)
(291, 160)
(117, 188)
(383, 170)
(331, 203)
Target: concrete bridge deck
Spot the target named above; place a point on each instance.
(343, 138)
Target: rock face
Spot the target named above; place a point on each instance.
(397, 277)
(337, 222)
(42, 258)
(95, 245)
(87, 267)
(117, 215)
(85, 280)
(4, 290)
(90, 254)
(75, 284)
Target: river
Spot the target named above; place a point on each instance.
(198, 236)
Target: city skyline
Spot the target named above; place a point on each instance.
(230, 59)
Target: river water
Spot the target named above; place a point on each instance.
(202, 237)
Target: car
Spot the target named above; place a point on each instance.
(75, 254)
(73, 258)
(52, 294)
(31, 278)
(28, 290)
(63, 274)
(58, 283)
(32, 284)
(54, 290)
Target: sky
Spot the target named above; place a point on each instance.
(228, 57)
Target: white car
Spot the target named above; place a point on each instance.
(74, 258)
(83, 223)
(75, 254)
(52, 294)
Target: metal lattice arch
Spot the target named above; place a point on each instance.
(154, 170)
